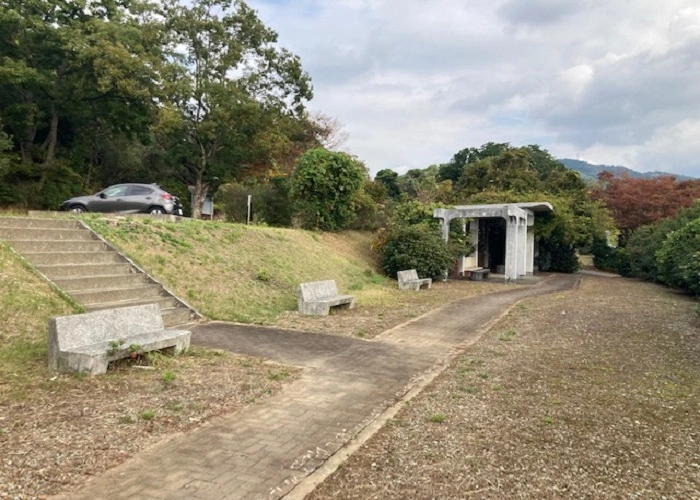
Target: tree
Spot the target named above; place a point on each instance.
(324, 185)
(69, 64)
(635, 202)
(679, 258)
(416, 247)
(388, 179)
(228, 73)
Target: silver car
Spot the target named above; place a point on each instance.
(127, 198)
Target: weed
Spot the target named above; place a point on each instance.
(360, 333)
(167, 378)
(263, 275)
(484, 375)
(472, 389)
(115, 346)
(126, 419)
(135, 350)
(275, 375)
(548, 420)
(81, 374)
(437, 418)
(147, 415)
(356, 286)
(174, 405)
(508, 336)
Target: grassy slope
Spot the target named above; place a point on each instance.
(242, 273)
(26, 302)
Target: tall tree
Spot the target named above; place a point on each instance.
(227, 73)
(635, 202)
(67, 62)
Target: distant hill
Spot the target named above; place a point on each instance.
(590, 172)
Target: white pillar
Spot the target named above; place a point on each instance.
(530, 259)
(511, 248)
(473, 259)
(522, 246)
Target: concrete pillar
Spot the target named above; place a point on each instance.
(445, 226)
(473, 237)
(522, 246)
(511, 248)
(530, 258)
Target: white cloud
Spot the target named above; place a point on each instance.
(415, 81)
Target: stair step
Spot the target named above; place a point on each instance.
(146, 291)
(57, 258)
(176, 316)
(100, 281)
(84, 270)
(165, 302)
(29, 233)
(28, 222)
(29, 246)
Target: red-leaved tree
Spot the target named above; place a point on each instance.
(635, 202)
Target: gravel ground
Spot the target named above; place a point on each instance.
(57, 433)
(593, 393)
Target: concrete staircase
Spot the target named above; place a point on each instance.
(88, 269)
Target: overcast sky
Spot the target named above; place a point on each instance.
(415, 81)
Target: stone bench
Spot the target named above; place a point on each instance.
(409, 280)
(88, 342)
(478, 273)
(317, 298)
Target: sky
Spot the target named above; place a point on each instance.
(414, 81)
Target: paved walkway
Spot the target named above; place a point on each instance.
(268, 448)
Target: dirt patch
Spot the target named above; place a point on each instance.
(59, 431)
(593, 393)
(379, 309)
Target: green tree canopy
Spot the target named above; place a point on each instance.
(324, 185)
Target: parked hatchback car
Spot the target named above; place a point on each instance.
(127, 198)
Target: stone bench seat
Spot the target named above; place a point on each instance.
(478, 273)
(318, 297)
(89, 342)
(409, 280)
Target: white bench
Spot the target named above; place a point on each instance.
(409, 280)
(88, 342)
(317, 298)
(478, 273)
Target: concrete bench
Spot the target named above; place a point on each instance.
(478, 273)
(409, 280)
(88, 342)
(317, 298)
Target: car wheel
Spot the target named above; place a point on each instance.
(78, 209)
(156, 210)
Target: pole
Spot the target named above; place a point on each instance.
(247, 220)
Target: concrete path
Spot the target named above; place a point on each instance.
(265, 450)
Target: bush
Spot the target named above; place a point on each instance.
(557, 253)
(323, 187)
(607, 258)
(679, 258)
(645, 243)
(416, 248)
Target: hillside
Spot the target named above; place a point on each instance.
(241, 273)
(590, 171)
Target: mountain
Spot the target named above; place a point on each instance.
(590, 172)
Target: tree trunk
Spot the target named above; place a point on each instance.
(27, 145)
(200, 194)
(52, 139)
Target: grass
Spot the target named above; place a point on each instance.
(256, 269)
(27, 303)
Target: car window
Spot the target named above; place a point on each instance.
(139, 191)
(115, 191)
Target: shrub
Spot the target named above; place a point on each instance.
(679, 258)
(416, 248)
(323, 187)
(609, 258)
